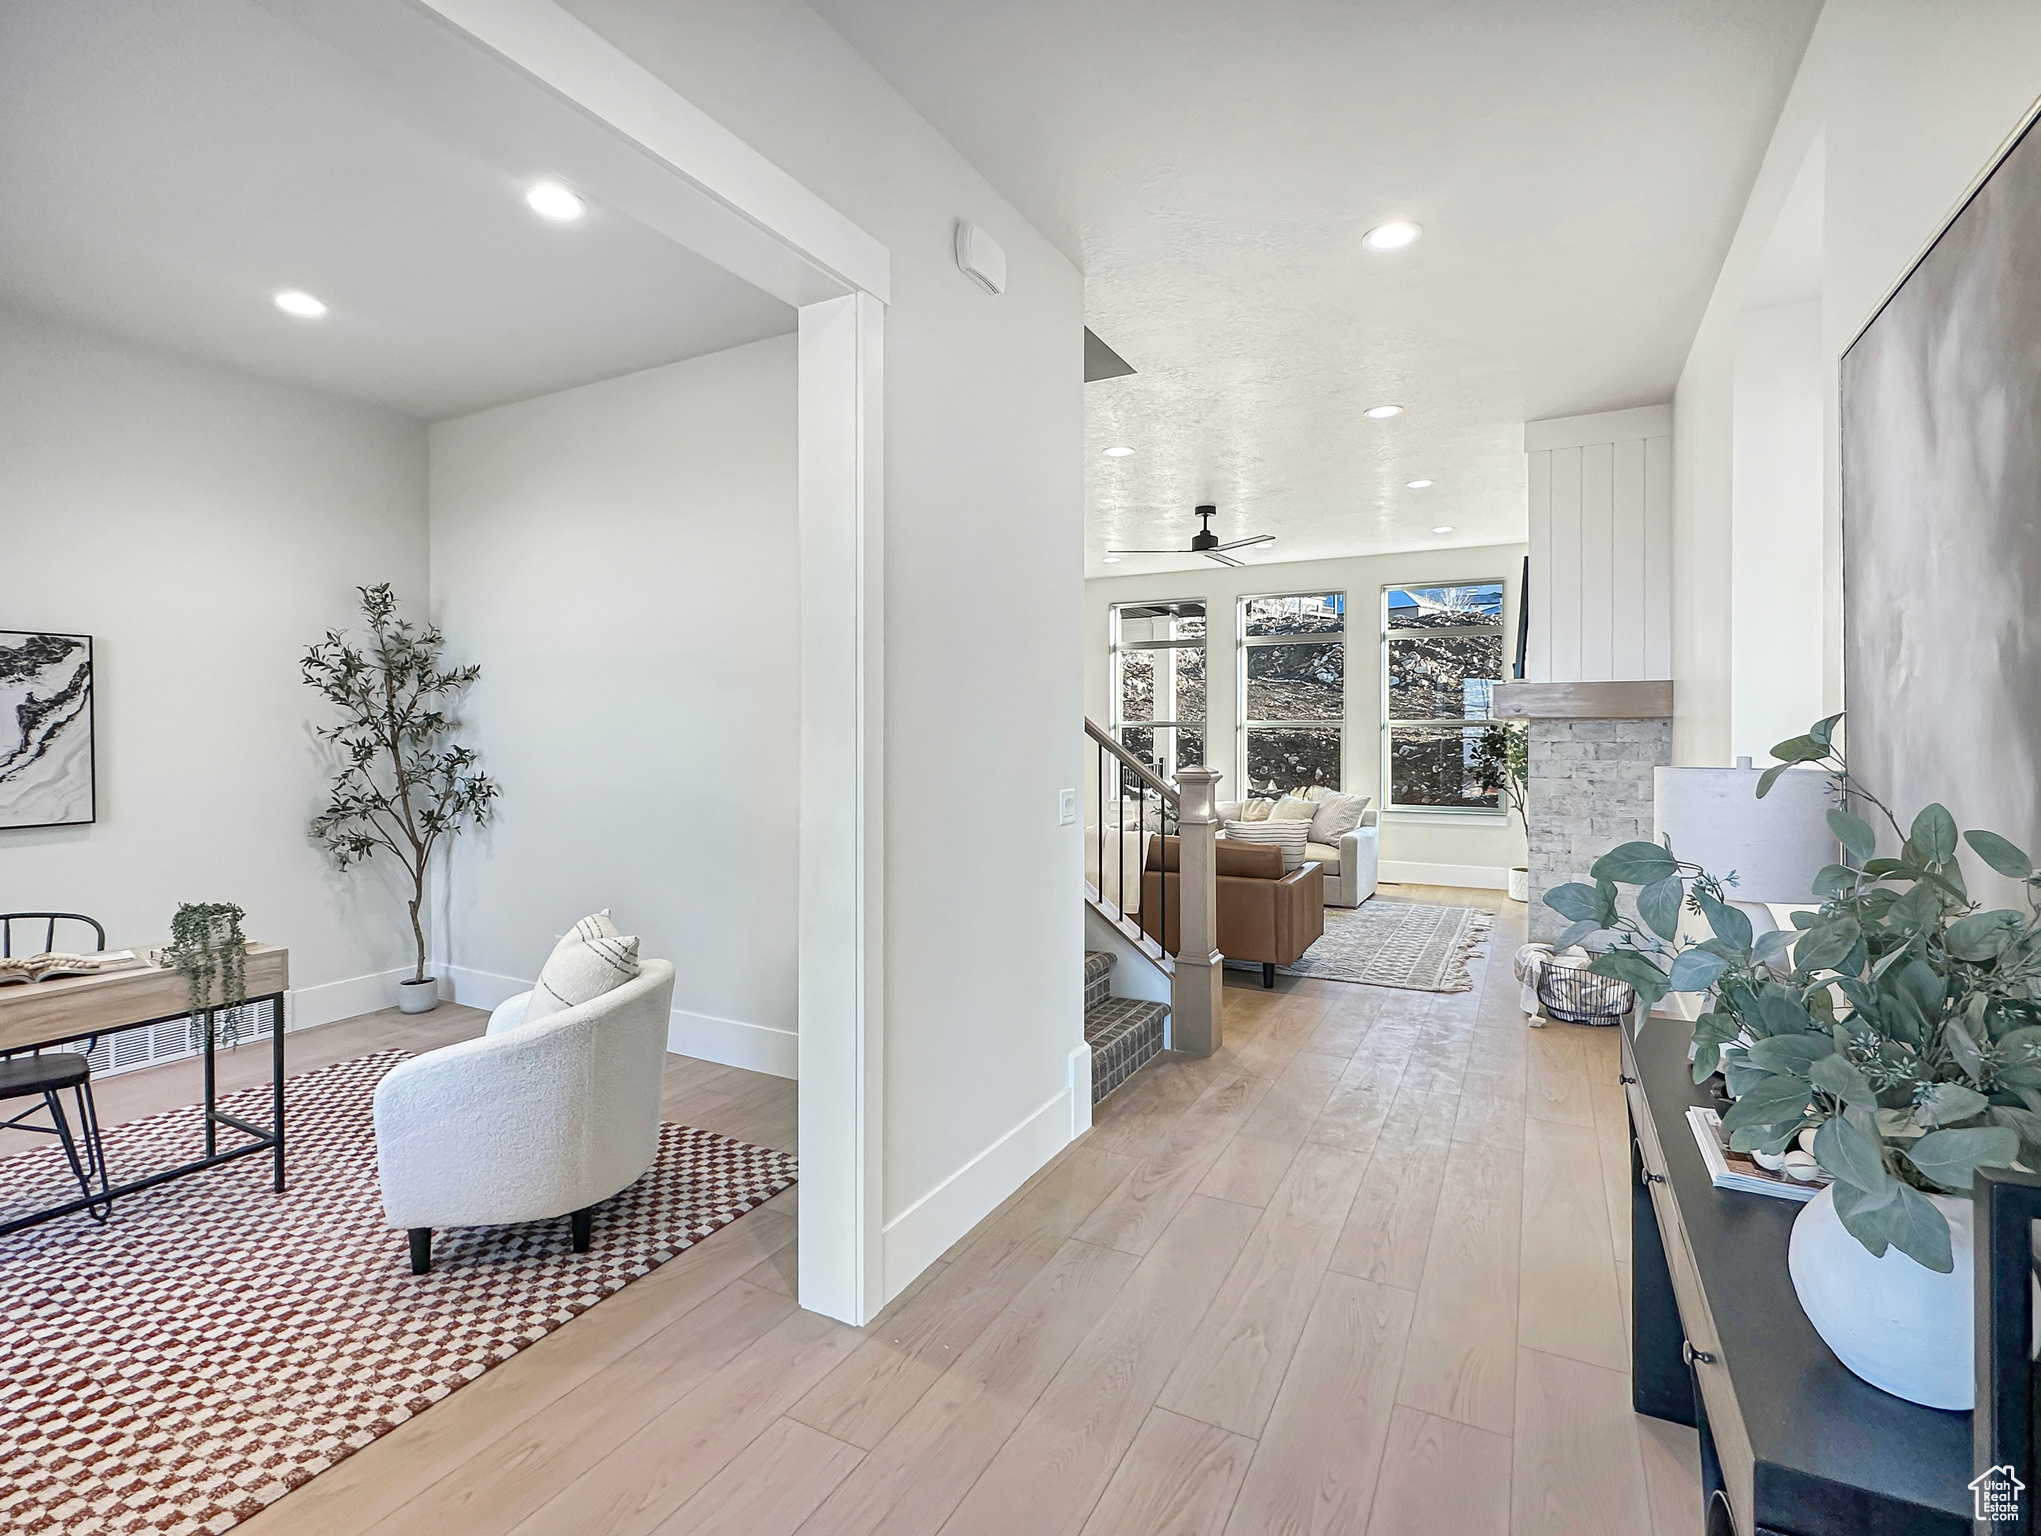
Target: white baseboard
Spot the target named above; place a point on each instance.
(332, 1001)
(920, 1235)
(1479, 877)
(727, 1042)
(1080, 1091)
(733, 1043)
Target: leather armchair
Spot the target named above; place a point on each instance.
(1264, 914)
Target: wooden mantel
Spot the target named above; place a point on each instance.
(1583, 701)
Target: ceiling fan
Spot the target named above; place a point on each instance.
(1205, 542)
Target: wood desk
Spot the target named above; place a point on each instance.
(1791, 1440)
(68, 1008)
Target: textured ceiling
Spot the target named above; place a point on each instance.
(1578, 169)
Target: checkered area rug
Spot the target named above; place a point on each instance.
(216, 1344)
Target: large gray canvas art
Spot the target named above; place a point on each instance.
(1941, 486)
(45, 729)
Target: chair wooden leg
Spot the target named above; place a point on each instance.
(421, 1250)
(583, 1225)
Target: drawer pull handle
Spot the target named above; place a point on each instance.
(1625, 1077)
(1652, 1178)
(1693, 1356)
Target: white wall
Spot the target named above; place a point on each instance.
(620, 559)
(1903, 105)
(1417, 846)
(1775, 637)
(983, 536)
(203, 526)
(1601, 546)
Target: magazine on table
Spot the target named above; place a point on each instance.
(49, 966)
(1739, 1170)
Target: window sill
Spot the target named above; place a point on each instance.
(1440, 813)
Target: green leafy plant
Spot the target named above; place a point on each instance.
(403, 785)
(1502, 762)
(208, 949)
(1899, 1023)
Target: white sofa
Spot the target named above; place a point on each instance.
(526, 1123)
(1351, 865)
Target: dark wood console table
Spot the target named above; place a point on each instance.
(1792, 1444)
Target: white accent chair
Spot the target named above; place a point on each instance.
(526, 1123)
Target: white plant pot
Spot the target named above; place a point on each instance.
(418, 996)
(1902, 1327)
(1520, 884)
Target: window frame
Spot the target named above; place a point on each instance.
(1243, 642)
(1499, 628)
(1116, 647)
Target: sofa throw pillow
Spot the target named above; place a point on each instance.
(1335, 816)
(1256, 810)
(1289, 836)
(1290, 808)
(580, 970)
(596, 925)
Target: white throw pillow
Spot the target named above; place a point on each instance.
(1256, 810)
(1336, 816)
(1290, 808)
(596, 925)
(1290, 836)
(579, 970)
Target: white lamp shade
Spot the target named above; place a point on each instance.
(1776, 845)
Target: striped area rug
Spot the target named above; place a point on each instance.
(215, 1345)
(1405, 944)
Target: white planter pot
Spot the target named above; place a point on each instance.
(1903, 1328)
(418, 996)
(1520, 884)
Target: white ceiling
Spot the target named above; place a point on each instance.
(1578, 167)
(167, 165)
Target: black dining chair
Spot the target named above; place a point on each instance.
(45, 1075)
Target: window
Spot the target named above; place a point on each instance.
(1441, 659)
(1158, 683)
(1293, 690)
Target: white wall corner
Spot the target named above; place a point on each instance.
(920, 1235)
(1080, 1091)
(332, 1001)
(1643, 421)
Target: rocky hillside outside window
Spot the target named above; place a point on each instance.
(1158, 683)
(1293, 690)
(1442, 655)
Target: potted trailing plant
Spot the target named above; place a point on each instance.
(404, 785)
(1894, 1034)
(1502, 762)
(208, 949)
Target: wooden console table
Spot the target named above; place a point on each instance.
(70, 1008)
(1792, 1442)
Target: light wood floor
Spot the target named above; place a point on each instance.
(1362, 1271)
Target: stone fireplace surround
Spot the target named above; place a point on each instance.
(1593, 747)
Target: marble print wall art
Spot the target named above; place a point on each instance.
(45, 730)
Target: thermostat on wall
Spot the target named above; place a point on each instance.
(981, 258)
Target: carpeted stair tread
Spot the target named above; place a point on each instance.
(1124, 1034)
(1098, 973)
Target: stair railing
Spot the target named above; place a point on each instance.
(1129, 796)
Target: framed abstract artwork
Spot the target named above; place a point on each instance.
(46, 753)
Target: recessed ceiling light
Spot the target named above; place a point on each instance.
(553, 201)
(1112, 559)
(293, 301)
(1443, 528)
(1393, 236)
(1119, 453)
(1382, 412)
(1417, 485)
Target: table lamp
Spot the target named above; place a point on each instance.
(1776, 845)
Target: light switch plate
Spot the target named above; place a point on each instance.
(1066, 807)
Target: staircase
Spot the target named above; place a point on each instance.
(1124, 1033)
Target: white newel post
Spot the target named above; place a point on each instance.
(1194, 994)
